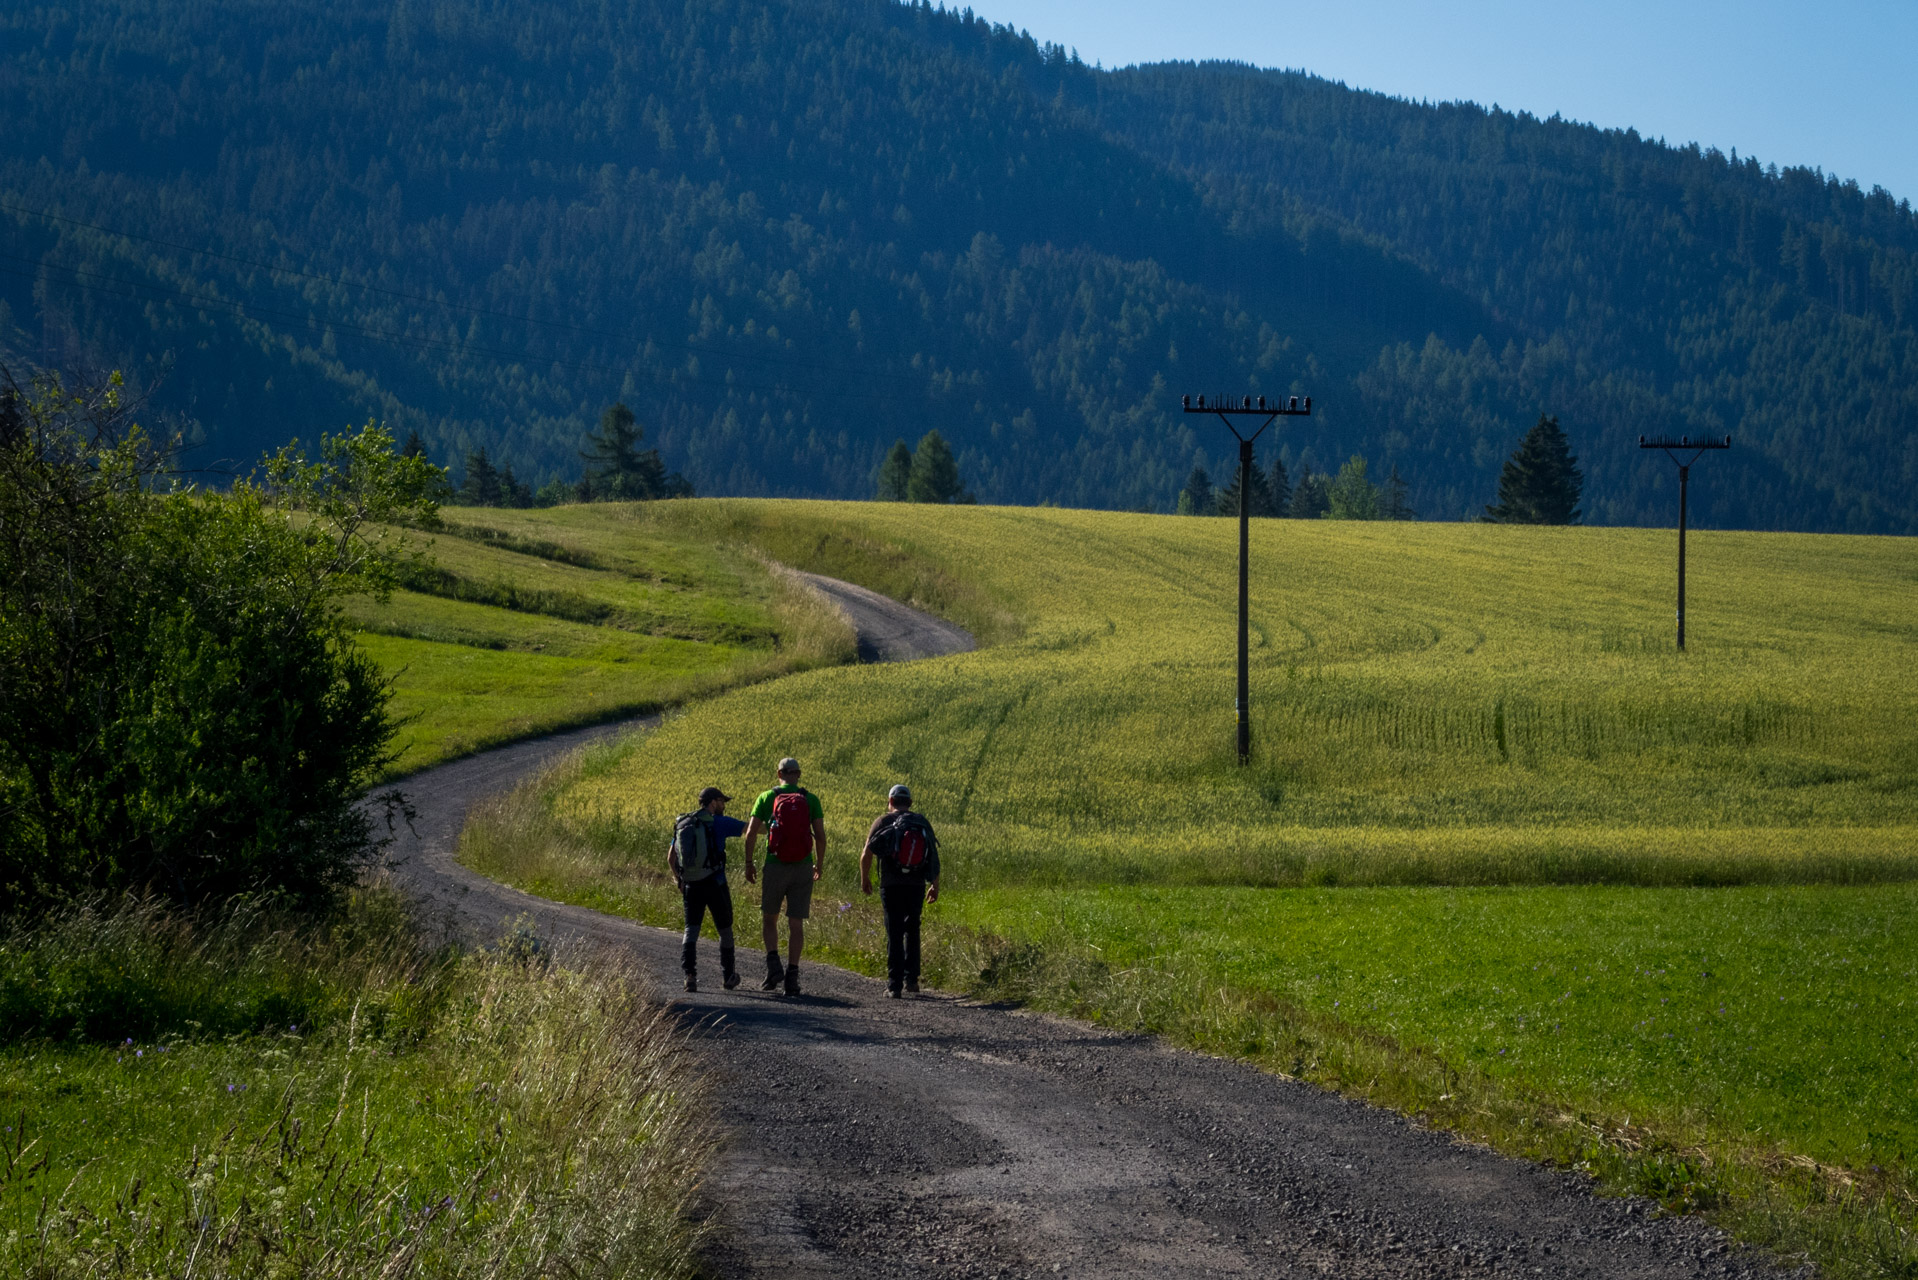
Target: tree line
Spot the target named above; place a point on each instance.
(616, 470)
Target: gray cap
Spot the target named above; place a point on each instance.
(789, 765)
(711, 794)
(900, 791)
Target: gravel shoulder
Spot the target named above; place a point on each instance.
(943, 1138)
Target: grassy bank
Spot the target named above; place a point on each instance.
(251, 1097)
(520, 622)
(1491, 808)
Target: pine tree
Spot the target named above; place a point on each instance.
(1309, 500)
(1352, 495)
(935, 472)
(1196, 498)
(895, 473)
(415, 447)
(1540, 483)
(1394, 504)
(617, 469)
(1280, 486)
(512, 493)
(481, 487)
(1258, 496)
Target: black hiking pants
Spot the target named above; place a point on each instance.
(904, 903)
(715, 895)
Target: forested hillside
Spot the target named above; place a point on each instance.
(790, 234)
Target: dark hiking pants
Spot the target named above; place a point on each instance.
(711, 894)
(904, 903)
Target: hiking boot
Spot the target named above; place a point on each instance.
(892, 993)
(692, 982)
(731, 979)
(792, 979)
(775, 972)
(912, 985)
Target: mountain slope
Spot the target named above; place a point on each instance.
(788, 234)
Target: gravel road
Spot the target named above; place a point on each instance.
(940, 1138)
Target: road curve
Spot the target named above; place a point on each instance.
(939, 1138)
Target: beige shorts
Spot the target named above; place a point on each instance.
(787, 881)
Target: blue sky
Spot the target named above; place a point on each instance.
(1830, 85)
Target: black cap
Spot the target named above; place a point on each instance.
(711, 794)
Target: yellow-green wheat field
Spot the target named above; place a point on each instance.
(1432, 703)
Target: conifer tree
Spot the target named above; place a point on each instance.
(935, 472)
(1196, 498)
(481, 487)
(1258, 497)
(895, 474)
(1540, 482)
(1309, 500)
(617, 469)
(1280, 487)
(1394, 504)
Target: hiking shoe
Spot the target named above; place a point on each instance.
(912, 985)
(732, 979)
(792, 979)
(692, 982)
(892, 993)
(775, 972)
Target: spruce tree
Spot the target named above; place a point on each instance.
(1258, 497)
(1196, 498)
(481, 487)
(617, 469)
(1279, 485)
(1309, 500)
(1540, 483)
(895, 473)
(935, 472)
(1394, 504)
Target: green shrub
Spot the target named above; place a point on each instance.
(182, 709)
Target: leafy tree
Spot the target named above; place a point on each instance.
(481, 488)
(1352, 495)
(1258, 496)
(895, 473)
(1309, 498)
(935, 472)
(1541, 481)
(182, 707)
(1196, 498)
(1394, 503)
(1280, 486)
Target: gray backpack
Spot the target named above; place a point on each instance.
(693, 837)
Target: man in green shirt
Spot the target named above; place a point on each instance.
(795, 828)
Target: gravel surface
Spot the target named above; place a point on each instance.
(941, 1138)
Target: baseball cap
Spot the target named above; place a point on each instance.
(900, 791)
(711, 794)
(789, 765)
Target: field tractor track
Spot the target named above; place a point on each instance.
(937, 1137)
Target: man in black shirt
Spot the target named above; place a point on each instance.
(908, 853)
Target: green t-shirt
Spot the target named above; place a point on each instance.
(763, 808)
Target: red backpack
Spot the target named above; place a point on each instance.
(905, 839)
(791, 836)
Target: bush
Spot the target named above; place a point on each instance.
(182, 708)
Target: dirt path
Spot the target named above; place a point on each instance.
(939, 1138)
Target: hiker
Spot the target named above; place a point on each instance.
(908, 853)
(795, 827)
(697, 858)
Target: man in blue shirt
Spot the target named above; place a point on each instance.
(697, 859)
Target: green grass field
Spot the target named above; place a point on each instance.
(1503, 856)
(526, 621)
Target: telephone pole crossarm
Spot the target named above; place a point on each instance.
(1226, 409)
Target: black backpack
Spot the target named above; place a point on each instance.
(693, 837)
(905, 840)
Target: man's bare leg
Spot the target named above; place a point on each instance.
(798, 928)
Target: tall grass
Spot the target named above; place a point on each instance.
(439, 1114)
